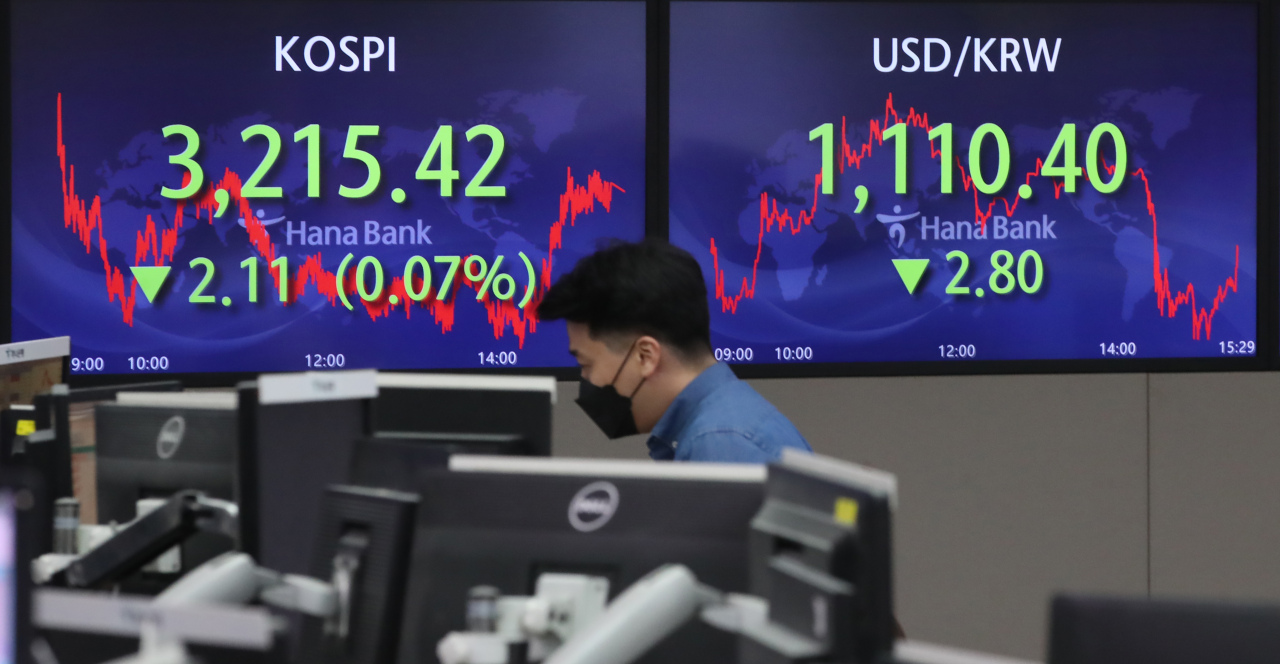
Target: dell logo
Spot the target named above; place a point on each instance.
(170, 438)
(593, 506)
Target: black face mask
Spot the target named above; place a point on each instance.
(608, 409)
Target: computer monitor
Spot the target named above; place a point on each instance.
(822, 556)
(364, 544)
(297, 433)
(47, 438)
(503, 521)
(395, 462)
(152, 445)
(452, 404)
(1116, 630)
(82, 436)
(44, 439)
(155, 444)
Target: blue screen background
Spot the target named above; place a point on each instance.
(750, 80)
(563, 81)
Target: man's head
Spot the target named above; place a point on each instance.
(638, 320)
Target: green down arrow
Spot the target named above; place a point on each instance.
(911, 269)
(151, 279)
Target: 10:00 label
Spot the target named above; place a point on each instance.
(793, 354)
(160, 363)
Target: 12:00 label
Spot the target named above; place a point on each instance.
(326, 361)
(957, 351)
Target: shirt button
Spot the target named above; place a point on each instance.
(674, 443)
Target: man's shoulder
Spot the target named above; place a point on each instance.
(735, 405)
(735, 423)
(740, 444)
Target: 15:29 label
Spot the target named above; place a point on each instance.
(1237, 347)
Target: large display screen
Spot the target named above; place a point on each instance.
(905, 182)
(224, 186)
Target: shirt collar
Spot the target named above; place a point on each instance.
(685, 406)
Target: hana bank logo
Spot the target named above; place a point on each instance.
(593, 506)
(894, 222)
(265, 222)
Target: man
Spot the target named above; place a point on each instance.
(640, 329)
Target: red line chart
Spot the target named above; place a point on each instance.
(774, 219)
(159, 244)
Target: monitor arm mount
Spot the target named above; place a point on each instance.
(518, 630)
(228, 579)
(235, 579)
(641, 617)
(142, 541)
(671, 596)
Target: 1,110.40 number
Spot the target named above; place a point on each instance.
(1061, 161)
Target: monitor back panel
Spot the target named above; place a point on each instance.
(1107, 630)
(152, 452)
(426, 410)
(506, 529)
(298, 449)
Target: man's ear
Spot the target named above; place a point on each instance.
(650, 352)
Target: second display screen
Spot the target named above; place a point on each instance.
(918, 182)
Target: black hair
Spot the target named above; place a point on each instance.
(649, 288)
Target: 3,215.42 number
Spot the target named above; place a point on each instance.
(440, 149)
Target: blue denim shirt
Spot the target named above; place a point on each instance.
(720, 418)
